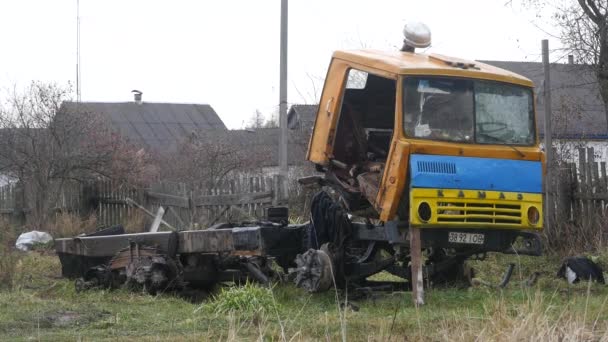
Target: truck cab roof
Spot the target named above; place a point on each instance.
(410, 63)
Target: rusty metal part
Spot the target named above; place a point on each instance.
(124, 257)
(150, 269)
(256, 270)
(95, 277)
(504, 282)
(314, 271)
(507, 276)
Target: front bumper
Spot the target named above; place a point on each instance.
(475, 209)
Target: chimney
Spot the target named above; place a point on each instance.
(570, 59)
(137, 96)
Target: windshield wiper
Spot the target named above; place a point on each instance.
(501, 142)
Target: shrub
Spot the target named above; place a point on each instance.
(135, 222)
(8, 256)
(565, 237)
(66, 224)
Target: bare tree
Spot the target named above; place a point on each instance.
(583, 30)
(585, 34)
(258, 120)
(43, 146)
(206, 158)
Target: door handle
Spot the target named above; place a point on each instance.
(328, 106)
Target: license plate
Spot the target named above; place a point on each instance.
(469, 238)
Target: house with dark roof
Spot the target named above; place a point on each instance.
(154, 126)
(301, 116)
(578, 117)
(577, 107)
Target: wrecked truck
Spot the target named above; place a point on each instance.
(424, 160)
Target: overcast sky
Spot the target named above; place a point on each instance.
(226, 53)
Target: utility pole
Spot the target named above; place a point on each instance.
(283, 141)
(548, 143)
(78, 80)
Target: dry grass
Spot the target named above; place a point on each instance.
(135, 222)
(66, 225)
(568, 238)
(8, 259)
(532, 320)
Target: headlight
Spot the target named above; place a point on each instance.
(533, 215)
(424, 212)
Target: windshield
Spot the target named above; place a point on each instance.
(464, 110)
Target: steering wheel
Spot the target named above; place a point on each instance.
(498, 126)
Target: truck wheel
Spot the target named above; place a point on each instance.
(314, 271)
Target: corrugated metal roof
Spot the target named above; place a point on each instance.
(158, 126)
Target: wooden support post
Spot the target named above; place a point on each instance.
(416, 263)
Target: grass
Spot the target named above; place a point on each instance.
(42, 306)
(249, 299)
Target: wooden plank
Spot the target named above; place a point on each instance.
(560, 195)
(585, 196)
(567, 200)
(604, 183)
(160, 213)
(234, 199)
(178, 218)
(597, 186)
(276, 190)
(169, 200)
(589, 179)
(582, 157)
(132, 202)
(575, 187)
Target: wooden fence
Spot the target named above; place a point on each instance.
(580, 192)
(238, 198)
(8, 197)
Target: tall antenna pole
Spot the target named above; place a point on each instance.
(78, 95)
(283, 103)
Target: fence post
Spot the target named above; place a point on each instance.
(276, 189)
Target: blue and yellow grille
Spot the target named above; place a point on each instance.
(444, 208)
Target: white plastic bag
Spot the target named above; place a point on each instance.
(25, 241)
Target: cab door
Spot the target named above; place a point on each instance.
(320, 148)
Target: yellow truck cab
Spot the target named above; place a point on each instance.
(436, 141)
